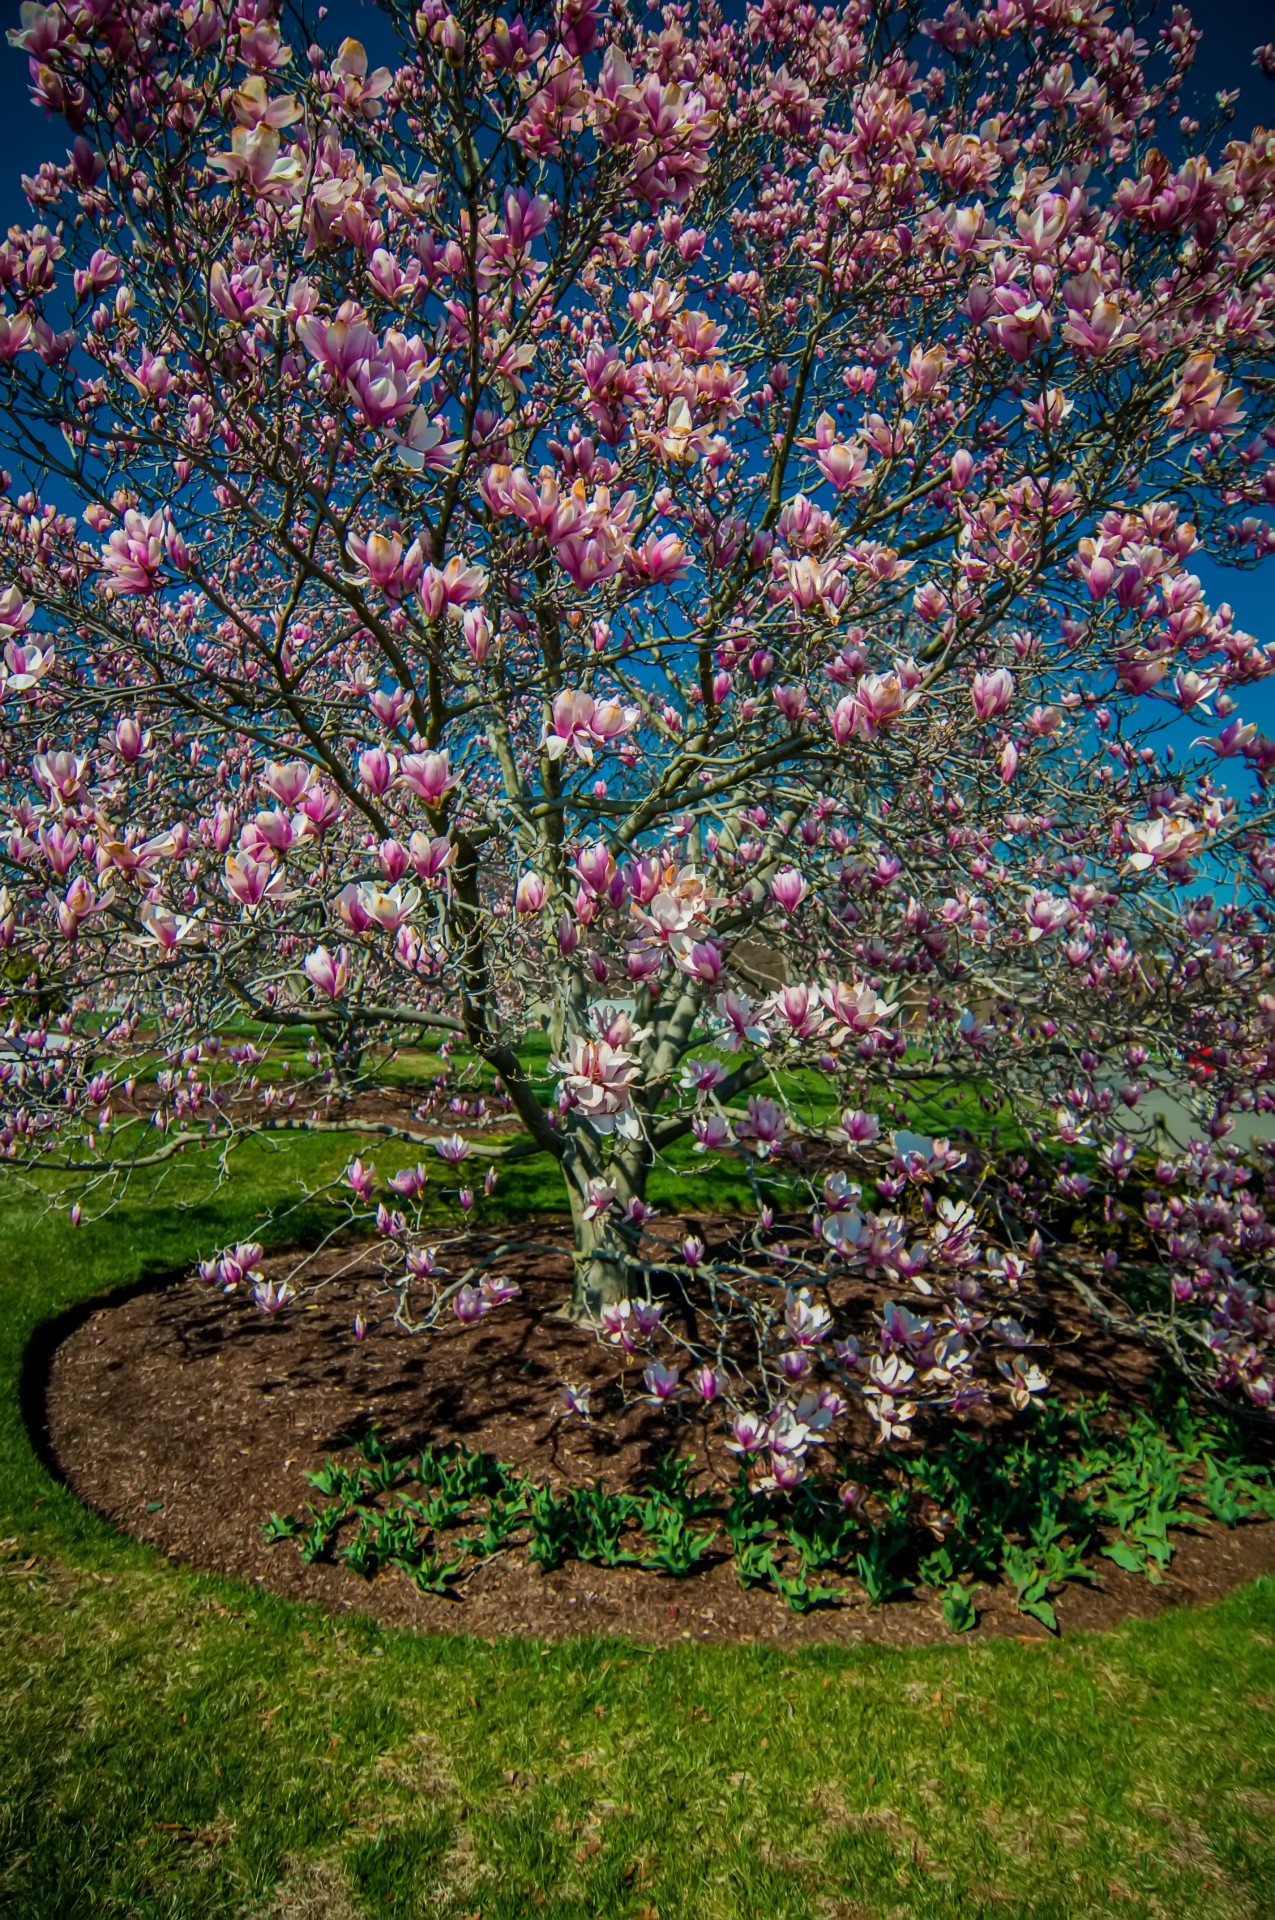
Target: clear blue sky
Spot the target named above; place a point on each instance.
(1232, 28)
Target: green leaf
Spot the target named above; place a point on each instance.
(1125, 1556)
(1042, 1611)
(958, 1609)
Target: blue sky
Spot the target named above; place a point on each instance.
(1232, 28)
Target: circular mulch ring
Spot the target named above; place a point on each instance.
(187, 1418)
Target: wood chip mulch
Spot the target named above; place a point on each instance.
(187, 1417)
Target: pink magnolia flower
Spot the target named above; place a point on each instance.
(23, 667)
(992, 693)
(596, 868)
(61, 774)
(764, 1127)
(432, 858)
(470, 1304)
(424, 447)
(1161, 841)
(164, 928)
(135, 554)
(788, 889)
(255, 161)
(856, 1008)
(288, 781)
(16, 614)
(662, 1382)
(130, 740)
(1096, 324)
(361, 1178)
(251, 881)
(384, 564)
(921, 1156)
(702, 960)
(358, 90)
(428, 775)
(742, 1024)
(330, 974)
(15, 334)
(597, 1079)
(272, 1296)
(1018, 323)
(531, 894)
(376, 770)
(410, 1181)
(658, 560)
(1046, 914)
(387, 907)
(579, 724)
(1199, 402)
(448, 589)
(319, 810)
(799, 1006)
(1049, 411)
(861, 1128)
(806, 1321)
(750, 1431)
(711, 1132)
(884, 697)
(599, 1198)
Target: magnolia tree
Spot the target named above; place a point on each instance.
(664, 544)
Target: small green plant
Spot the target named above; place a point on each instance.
(676, 1548)
(958, 1609)
(1037, 1509)
(549, 1522)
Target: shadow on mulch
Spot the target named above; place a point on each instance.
(186, 1418)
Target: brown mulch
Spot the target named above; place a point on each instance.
(187, 1417)
(370, 1107)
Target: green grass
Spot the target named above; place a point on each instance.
(181, 1746)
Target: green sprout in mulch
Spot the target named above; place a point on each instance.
(1050, 1505)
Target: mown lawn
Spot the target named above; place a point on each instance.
(183, 1746)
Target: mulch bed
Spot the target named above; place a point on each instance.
(187, 1417)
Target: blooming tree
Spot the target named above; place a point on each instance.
(668, 538)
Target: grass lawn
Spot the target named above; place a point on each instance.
(173, 1745)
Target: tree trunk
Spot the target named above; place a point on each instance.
(600, 1271)
(605, 1247)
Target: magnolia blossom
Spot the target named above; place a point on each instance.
(856, 1008)
(1047, 914)
(531, 893)
(329, 973)
(661, 1382)
(579, 724)
(381, 906)
(597, 1078)
(788, 889)
(1161, 841)
(428, 775)
(166, 929)
(251, 882)
(741, 1025)
(256, 162)
(992, 693)
(764, 1128)
(922, 1156)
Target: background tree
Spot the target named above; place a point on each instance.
(673, 532)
